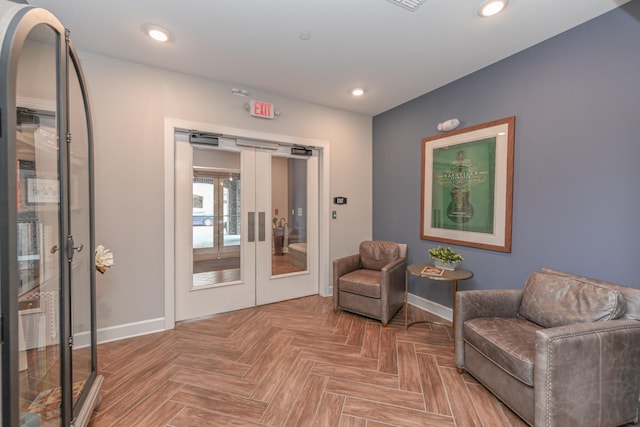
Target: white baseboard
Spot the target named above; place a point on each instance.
(431, 307)
(115, 333)
(427, 305)
(326, 291)
(130, 330)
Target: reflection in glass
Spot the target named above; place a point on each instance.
(38, 232)
(289, 222)
(216, 217)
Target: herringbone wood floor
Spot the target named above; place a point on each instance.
(294, 363)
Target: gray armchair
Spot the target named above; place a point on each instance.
(563, 351)
(371, 282)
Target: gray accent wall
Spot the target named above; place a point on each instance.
(576, 204)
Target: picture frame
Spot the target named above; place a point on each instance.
(43, 190)
(467, 186)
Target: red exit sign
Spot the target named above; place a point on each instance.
(262, 109)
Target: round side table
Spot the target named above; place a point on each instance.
(447, 276)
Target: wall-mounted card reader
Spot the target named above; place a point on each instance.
(340, 200)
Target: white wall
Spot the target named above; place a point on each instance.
(129, 105)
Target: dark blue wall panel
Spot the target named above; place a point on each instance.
(576, 206)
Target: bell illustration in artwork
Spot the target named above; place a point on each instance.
(460, 209)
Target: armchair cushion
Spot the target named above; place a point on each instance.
(361, 282)
(554, 300)
(376, 254)
(508, 342)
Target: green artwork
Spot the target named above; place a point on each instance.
(464, 186)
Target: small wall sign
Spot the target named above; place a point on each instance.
(340, 200)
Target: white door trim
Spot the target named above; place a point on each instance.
(170, 127)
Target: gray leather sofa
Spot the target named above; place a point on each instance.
(371, 282)
(563, 351)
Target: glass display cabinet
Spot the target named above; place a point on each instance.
(47, 258)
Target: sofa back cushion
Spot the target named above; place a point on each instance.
(377, 253)
(631, 295)
(552, 300)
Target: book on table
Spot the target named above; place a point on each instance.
(430, 270)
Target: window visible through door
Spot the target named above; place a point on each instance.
(216, 226)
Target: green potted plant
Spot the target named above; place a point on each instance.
(445, 258)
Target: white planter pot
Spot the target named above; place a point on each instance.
(451, 266)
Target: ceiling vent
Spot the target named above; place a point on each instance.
(411, 5)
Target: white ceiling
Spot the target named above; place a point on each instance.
(395, 54)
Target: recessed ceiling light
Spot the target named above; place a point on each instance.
(156, 33)
(357, 91)
(492, 7)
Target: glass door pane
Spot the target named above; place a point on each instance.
(289, 204)
(38, 225)
(287, 188)
(82, 362)
(216, 217)
(209, 255)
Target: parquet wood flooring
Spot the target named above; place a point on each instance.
(293, 363)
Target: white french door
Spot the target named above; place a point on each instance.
(290, 271)
(246, 225)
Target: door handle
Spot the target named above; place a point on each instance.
(71, 249)
(261, 226)
(251, 223)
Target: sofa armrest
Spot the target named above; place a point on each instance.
(588, 374)
(482, 303)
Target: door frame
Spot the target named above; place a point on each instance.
(171, 125)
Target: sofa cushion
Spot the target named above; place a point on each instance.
(553, 300)
(631, 295)
(361, 282)
(507, 342)
(376, 254)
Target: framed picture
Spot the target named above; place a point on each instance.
(467, 186)
(43, 190)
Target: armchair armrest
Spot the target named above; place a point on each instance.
(342, 266)
(395, 269)
(392, 286)
(393, 282)
(482, 303)
(588, 374)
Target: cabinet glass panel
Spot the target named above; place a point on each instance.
(80, 229)
(38, 226)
